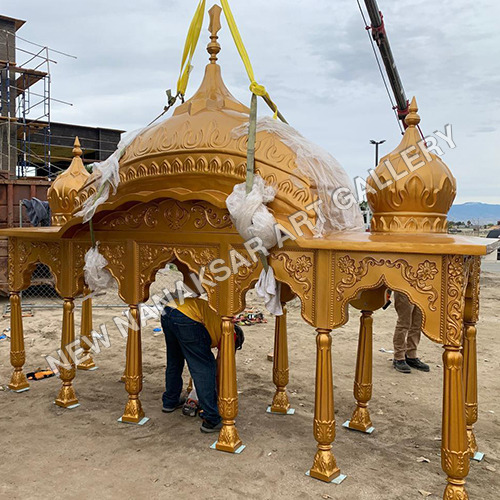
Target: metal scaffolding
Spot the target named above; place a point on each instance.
(21, 103)
(25, 107)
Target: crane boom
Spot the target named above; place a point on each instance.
(381, 39)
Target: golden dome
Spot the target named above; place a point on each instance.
(195, 154)
(62, 193)
(411, 189)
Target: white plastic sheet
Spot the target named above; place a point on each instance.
(107, 175)
(250, 214)
(270, 290)
(322, 169)
(96, 275)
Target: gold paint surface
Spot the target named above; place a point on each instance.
(62, 194)
(360, 419)
(170, 207)
(415, 188)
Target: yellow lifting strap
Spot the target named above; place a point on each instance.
(255, 88)
(189, 47)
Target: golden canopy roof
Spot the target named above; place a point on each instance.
(195, 155)
(412, 189)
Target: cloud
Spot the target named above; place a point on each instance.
(314, 57)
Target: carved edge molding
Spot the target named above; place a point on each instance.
(457, 269)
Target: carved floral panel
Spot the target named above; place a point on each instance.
(169, 215)
(421, 277)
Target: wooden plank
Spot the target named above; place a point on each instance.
(19, 69)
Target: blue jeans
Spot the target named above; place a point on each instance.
(189, 340)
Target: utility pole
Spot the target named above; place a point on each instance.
(376, 143)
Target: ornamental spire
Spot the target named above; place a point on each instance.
(76, 147)
(213, 48)
(412, 118)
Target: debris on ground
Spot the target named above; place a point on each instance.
(250, 316)
(424, 493)
(40, 374)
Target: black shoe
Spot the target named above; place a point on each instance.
(401, 366)
(209, 427)
(417, 364)
(165, 409)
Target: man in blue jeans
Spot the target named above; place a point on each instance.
(191, 330)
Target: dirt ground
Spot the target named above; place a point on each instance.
(84, 453)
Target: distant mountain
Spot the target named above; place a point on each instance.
(476, 212)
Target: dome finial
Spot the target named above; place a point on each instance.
(412, 118)
(213, 48)
(76, 147)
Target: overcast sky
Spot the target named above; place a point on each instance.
(314, 57)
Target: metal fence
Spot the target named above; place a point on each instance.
(42, 294)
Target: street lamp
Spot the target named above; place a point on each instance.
(376, 143)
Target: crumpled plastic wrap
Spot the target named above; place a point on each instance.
(249, 213)
(270, 290)
(322, 169)
(107, 176)
(96, 275)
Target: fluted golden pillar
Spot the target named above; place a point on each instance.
(133, 369)
(229, 440)
(18, 381)
(324, 466)
(280, 403)
(86, 332)
(470, 384)
(360, 419)
(471, 316)
(67, 396)
(454, 444)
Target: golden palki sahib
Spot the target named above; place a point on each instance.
(168, 205)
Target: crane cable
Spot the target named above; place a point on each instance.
(394, 107)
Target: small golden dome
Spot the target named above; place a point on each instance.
(411, 190)
(63, 191)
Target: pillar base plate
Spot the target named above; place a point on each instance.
(335, 480)
(94, 368)
(141, 422)
(290, 411)
(70, 407)
(237, 451)
(347, 423)
(478, 456)
(20, 390)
